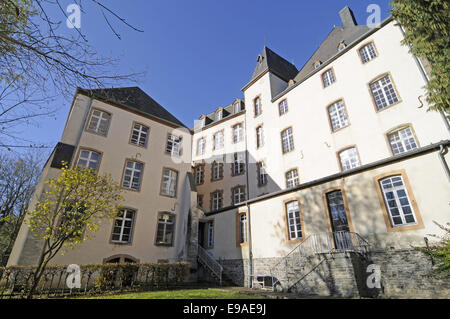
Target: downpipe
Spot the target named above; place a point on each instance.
(443, 150)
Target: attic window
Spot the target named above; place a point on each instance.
(341, 46)
(219, 115)
(260, 58)
(291, 83)
(317, 64)
(237, 107)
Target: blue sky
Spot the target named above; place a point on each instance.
(199, 54)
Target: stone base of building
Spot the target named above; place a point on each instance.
(406, 273)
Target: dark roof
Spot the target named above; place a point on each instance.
(346, 34)
(134, 99)
(226, 112)
(269, 60)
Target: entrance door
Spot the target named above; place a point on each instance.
(201, 234)
(339, 221)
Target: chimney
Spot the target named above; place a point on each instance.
(347, 17)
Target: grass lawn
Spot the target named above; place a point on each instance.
(211, 293)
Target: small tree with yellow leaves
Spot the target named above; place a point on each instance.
(71, 209)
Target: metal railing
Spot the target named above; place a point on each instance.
(316, 244)
(208, 261)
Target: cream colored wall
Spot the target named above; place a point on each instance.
(316, 147)
(268, 224)
(228, 181)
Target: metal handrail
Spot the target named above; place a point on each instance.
(321, 243)
(208, 260)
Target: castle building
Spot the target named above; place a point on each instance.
(340, 155)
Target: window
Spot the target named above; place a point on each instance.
(367, 53)
(200, 200)
(341, 46)
(99, 122)
(402, 141)
(262, 175)
(173, 146)
(237, 133)
(238, 194)
(257, 104)
(89, 159)
(165, 229)
(328, 78)
(338, 115)
(237, 107)
(349, 159)
(293, 220)
(259, 137)
(383, 92)
(237, 168)
(132, 176)
(218, 140)
(283, 107)
(139, 135)
(242, 228)
(201, 146)
(123, 225)
(216, 200)
(169, 182)
(216, 171)
(199, 171)
(287, 140)
(397, 201)
(317, 64)
(292, 179)
(337, 212)
(210, 234)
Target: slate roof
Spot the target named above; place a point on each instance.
(269, 60)
(134, 99)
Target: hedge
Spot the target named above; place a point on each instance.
(15, 281)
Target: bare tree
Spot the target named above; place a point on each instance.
(41, 59)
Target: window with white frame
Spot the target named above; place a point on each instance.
(259, 137)
(199, 171)
(219, 115)
(169, 182)
(139, 135)
(349, 159)
(287, 140)
(165, 229)
(123, 225)
(237, 133)
(397, 201)
(283, 107)
(201, 146)
(210, 234)
(338, 115)
(262, 174)
(293, 219)
(383, 92)
(257, 105)
(238, 194)
(132, 175)
(173, 146)
(328, 78)
(367, 52)
(242, 228)
(402, 141)
(216, 171)
(89, 159)
(238, 163)
(292, 179)
(99, 122)
(218, 140)
(216, 200)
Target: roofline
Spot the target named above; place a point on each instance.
(390, 160)
(221, 121)
(132, 109)
(333, 58)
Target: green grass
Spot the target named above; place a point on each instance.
(210, 293)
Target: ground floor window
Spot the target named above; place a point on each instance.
(165, 229)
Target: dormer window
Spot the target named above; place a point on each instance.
(218, 115)
(237, 107)
(291, 83)
(317, 64)
(341, 46)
